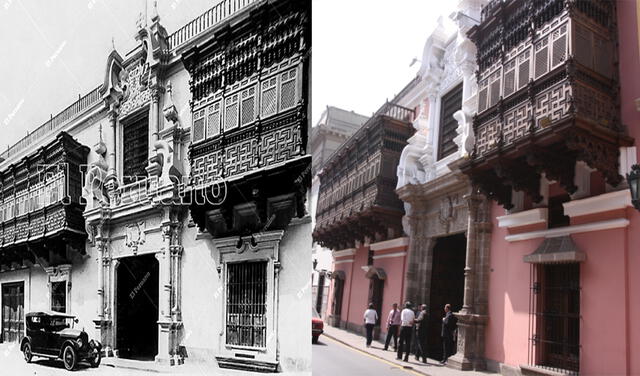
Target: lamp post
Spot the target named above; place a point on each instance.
(633, 178)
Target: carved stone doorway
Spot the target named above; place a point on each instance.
(447, 286)
(137, 307)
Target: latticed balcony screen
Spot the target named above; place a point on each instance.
(246, 304)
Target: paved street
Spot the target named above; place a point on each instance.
(332, 358)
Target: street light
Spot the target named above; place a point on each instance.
(633, 178)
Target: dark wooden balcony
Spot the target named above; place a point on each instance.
(357, 196)
(41, 212)
(249, 86)
(548, 94)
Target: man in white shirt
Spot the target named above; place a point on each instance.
(370, 319)
(406, 330)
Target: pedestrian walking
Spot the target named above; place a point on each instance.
(421, 334)
(393, 325)
(406, 328)
(370, 319)
(449, 324)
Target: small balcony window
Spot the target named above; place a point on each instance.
(246, 311)
(451, 102)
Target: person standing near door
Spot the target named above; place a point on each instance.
(421, 334)
(448, 327)
(370, 319)
(393, 325)
(406, 328)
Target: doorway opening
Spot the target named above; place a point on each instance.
(137, 307)
(12, 312)
(447, 286)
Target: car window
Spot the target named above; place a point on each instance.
(314, 313)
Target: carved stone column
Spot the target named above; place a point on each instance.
(473, 315)
(170, 320)
(419, 262)
(111, 143)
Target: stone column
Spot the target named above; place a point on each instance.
(471, 319)
(164, 309)
(111, 143)
(420, 257)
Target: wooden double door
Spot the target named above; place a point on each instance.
(12, 312)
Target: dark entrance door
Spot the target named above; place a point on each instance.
(137, 307)
(447, 286)
(12, 312)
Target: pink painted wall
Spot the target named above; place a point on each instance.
(628, 18)
(357, 302)
(393, 285)
(507, 330)
(346, 292)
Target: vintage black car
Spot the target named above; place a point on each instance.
(51, 335)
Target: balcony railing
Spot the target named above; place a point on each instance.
(205, 21)
(54, 124)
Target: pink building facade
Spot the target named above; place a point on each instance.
(563, 293)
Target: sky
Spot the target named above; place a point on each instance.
(362, 49)
(51, 51)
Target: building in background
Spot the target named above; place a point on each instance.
(359, 217)
(333, 129)
(192, 241)
(554, 137)
(448, 253)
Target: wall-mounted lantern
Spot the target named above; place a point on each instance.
(633, 178)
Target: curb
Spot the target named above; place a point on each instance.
(403, 366)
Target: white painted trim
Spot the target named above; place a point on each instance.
(387, 255)
(397, 242)
(568, 230)
(342, 262)
(528, 217)
(344, 252)
(598, 204)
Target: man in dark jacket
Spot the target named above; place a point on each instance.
(449, 322)
(421, 334)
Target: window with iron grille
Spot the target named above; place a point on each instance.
(451, 102)
(554, 326)
(59, 296)
(135, 150)
(246, 322)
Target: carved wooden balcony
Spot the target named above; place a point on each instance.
(548, 95)
(249, 87)
(357, 196)
(40, 211)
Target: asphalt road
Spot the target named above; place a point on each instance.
(331, 358)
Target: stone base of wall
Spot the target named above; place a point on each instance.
(501, 368)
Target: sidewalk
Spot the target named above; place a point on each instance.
(433, 368)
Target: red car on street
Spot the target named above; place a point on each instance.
(316, 325)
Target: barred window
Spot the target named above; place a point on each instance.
(246, 322)
(451, 102)
(198, 126)
(135, 150)
(248, 110)
(59, 296)
(231, 112)
(269, 97)
(288, 89)
(213, 120)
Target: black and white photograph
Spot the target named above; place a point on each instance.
(154, 176)
(449, 188)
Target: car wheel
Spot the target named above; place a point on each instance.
(69, 358)
(26, 350)
(314, 339)
(95, 359)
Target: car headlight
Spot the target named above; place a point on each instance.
(79, 342)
